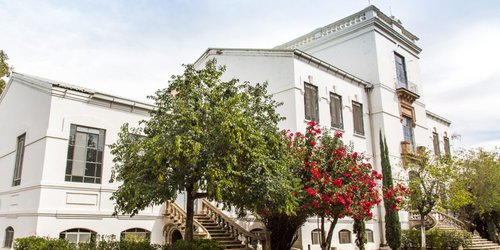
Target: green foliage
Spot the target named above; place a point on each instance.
(41, 243)
(5, 70)
(392, 224)
(476, 191)
(195, 245)
(104, 243)
(359, 228)
(430, 181)
(212, 138)
(437, 239)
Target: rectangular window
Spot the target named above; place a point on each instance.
(357, 113)
(336, 110)
(446, 141)
(435, 142)
(311, 102)
(85, 151)
(401, 71)
(408, 131)
(369, 235)
(18, 167)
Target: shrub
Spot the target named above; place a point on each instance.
(436, 239)
(41, 243)
(195, 245)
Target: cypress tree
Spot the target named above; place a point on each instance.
(392, 224)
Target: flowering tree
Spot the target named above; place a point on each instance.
(337, 182)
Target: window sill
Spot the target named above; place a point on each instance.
(359, 135)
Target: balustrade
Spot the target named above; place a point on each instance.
(247, 238)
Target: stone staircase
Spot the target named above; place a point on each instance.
(446, 222)
(221, 235)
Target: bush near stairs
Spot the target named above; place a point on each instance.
(436, 239)
(217, 233)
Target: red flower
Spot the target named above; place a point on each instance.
(337, 182)
(311, 191)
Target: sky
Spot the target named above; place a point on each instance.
(130, 48)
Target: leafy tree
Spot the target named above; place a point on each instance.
(429, 183)
(208, 137)
(5, 70)
(392, 224)
(476, 193)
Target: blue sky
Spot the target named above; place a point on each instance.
(131, 48)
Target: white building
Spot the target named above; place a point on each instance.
(359, 75)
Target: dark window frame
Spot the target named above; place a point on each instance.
(401, 72)
(348, 235)
(336, 115)
(435, 143)
(89, 165)
(408, 132)
(9, 237)
(316, 236)
(369, 236)
(18, 167)
(357, 114)
(311, 102)
(447, 147)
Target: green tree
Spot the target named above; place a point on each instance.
(5, 70)
(211, 138)
(359, 228)
(392, 224)
(430, 179)
(476, 193)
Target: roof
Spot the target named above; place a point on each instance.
(301, 55)
(355, 20)
(83, 94)
(438, 118)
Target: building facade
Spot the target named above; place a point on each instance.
(359, 75)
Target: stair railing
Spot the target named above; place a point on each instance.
(450, 220)
(430, 220)
(178, 216)
(247, 238)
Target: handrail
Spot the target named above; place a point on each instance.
(172, 209)
(247, 238)
(453, 221)
(430, 220)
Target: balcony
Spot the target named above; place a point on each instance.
(408, 153)
(406, 95)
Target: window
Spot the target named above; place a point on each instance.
(369, 235)
(311, 102)
(401, 71)
(85, 151)
(344, 236)
(316, 236)
(18, 168)
(135, 234)
(357, 113)
(336, 111)
(78, 235)
(435, 141)
(446, 141)
(9, 237)
(408, 131)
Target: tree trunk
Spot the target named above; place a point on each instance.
(422, 232)
(283, 230)
(189, 214)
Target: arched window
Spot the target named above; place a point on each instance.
(369, 235)
(316, 236)
(77, 235)
(135, 234)
(344, 236)
(9, 237)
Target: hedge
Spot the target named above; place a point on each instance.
(436, 239)
(108, 243)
